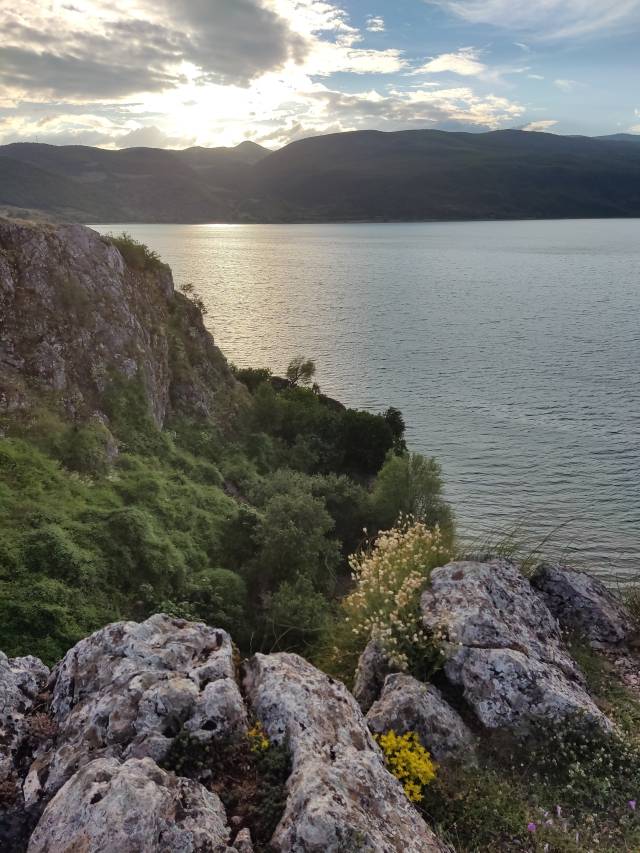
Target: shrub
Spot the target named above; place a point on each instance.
(385, 604)
(136, 255)
(51, 551)
(252, 377)
(366, 439)
(88, 448)
(297, 615)
(411, 485)
(409, 762)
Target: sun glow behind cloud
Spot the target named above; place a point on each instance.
(214, 72)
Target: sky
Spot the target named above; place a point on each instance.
(175, 73)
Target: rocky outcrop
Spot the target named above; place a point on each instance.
(23, 728)
(340, 796)
(74, 315)
(131, 807)
(21, 680)
(373, 667)
(129, 689)
(407, 705)
(503, 647)
(583, 604)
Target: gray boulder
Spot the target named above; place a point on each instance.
(127, 691)
(583, 604)
(408, 705)
(131, 807)
(502, 646)
(340, 796)
(373, 667)
(21, 680)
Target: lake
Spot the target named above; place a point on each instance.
(512, 348)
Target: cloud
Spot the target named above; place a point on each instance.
(328, 111)
(541, 126)
(546, 18)
(566, 86)
(464, 62)
(375, 24)
(234, 41)
(535, 76)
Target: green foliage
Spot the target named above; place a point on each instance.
(366, 440)
(300, 370)
(252, 377)
(250, 781)
(136, 255)
(297, 615)
(411, 485)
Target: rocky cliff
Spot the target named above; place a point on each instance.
(121, 746)
(78, 310)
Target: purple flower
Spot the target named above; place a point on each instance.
(632, 805)
(531, 827)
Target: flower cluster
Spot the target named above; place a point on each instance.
(409, 762)
(388, 578)
(258, 739)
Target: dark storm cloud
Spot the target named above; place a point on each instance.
(231, 41)
(78, 76)
(234, 41)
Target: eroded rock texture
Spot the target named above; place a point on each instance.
(73, 315)
(131, 807)
(127, 691)
(22, 730)
(583, 604)
(504, 648)
(340, 796)
(373, 667)
(407, 705)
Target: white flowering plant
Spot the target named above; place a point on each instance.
(389, 574)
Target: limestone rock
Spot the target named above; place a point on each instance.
(340, 795)
(373, 667)
(22, 729)
(408, 705)
(582, 603)
(243, 842)
(127, 691)
(21, 680)
(73, 314)
(131, 807)
(504, 648)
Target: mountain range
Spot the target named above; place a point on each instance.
(356, 176)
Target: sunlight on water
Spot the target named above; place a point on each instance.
(513, 350)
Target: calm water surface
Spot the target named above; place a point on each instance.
(513, 350)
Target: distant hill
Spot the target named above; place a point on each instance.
(364, 175)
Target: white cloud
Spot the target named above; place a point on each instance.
(535, 76)
(375, 24)
(149, 72)
(546, 18)
(566, 86)
(465, 62)
(541, 126)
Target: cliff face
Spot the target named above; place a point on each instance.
(74, 315)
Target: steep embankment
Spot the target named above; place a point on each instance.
(74, 316)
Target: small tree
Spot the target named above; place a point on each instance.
(301, 371)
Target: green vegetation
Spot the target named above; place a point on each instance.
(247, 529)
(137, 255)
(564, 788)
(249, 774)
